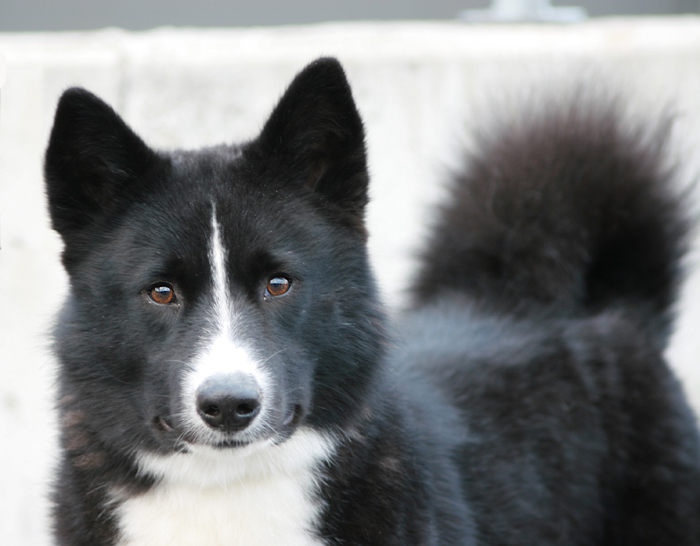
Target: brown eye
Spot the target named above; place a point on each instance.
(277, 286)
(162, 293)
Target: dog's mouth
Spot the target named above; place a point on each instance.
(294, 417)
(163, 425)
(170, 430)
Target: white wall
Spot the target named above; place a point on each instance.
(416, 84)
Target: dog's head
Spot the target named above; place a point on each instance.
(219, 297)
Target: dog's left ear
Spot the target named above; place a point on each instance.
(316, 132)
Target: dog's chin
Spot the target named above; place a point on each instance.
(223, 441)
(243, 446)
(233, 443)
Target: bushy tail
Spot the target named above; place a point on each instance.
(573, 209)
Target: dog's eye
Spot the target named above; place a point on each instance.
(278, 286)
(162, 293)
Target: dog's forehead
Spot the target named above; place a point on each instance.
(224, 177)
(219, 187)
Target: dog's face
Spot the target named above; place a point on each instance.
(219, 297)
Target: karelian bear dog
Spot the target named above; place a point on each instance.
(228, 375)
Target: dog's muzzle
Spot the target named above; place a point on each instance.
(229, 403)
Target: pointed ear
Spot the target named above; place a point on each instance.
(91, 160)
(316, 132)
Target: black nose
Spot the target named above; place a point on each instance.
(229, 402)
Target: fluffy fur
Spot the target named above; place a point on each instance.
(522, 399)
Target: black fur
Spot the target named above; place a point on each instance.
(571, 207)
(523, 399)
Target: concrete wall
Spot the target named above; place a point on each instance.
(417, 86)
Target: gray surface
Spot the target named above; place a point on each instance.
(23, 15)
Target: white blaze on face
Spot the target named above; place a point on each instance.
(222, 353)
(217, 261)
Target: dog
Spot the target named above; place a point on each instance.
(229, 376)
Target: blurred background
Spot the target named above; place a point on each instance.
(22, 15)
(188, 74)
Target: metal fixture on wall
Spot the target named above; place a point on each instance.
(514, 11)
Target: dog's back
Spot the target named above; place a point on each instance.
(542, 306)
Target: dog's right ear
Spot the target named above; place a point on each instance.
(316, 132)
(91, 161)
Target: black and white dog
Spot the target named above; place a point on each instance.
(228, 377)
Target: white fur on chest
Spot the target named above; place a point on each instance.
(253, 497)
(269, 512)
